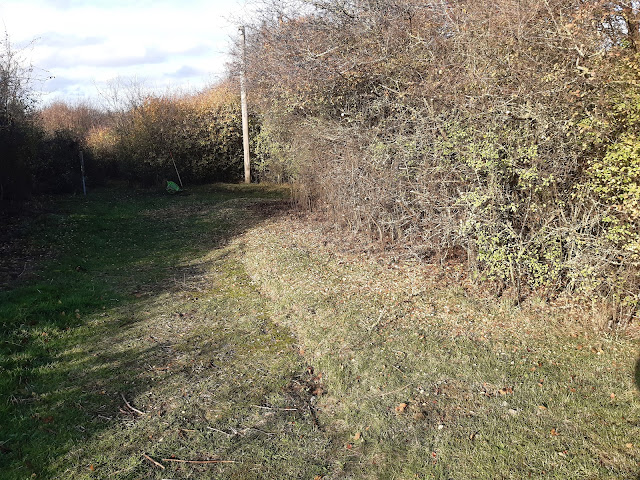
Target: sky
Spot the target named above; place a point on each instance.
(80, 47)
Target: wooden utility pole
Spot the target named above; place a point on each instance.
(245, 113)
(84, 184)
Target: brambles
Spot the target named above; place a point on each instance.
(504, 130)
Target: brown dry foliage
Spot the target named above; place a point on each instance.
(456, 125)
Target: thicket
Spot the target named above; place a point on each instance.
(199, 135)
(502, 131)
(19, 136)
(39, 149)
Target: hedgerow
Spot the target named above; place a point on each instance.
(505, 132)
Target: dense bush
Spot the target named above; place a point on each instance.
(39, 150)
(505, 130)
(145, 142)
(19, 145)
(199, 135)
(19, 135)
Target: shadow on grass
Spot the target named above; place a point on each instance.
(114, 251)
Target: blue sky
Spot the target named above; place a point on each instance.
(85, 44)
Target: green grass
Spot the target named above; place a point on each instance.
(245, 339)
(429, 381)
(145, 300)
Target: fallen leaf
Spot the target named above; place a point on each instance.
(357, 436)
(349, 446)
(91, 467)
(401, 407)
(613, 396)
(628, 445)
(554, 433)
(505, 391)
(542, 407)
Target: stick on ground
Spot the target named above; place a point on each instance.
(157, 464)
(197, 461)
(130, 407)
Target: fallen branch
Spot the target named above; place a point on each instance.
(157, 464)
(130, 407)
(197, 461)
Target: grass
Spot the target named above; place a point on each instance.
(429, 381)
(145, 302)
(171, 329)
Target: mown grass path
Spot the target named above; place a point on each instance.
(145, 307)
(203, 337)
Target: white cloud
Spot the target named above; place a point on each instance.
(83, 43)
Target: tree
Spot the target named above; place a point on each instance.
(19, 134)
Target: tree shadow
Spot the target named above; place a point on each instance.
(59, 389)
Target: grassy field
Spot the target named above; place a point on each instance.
(211, 336)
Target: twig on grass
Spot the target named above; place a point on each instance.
(130, 407)
(276, 408)
(384, 394)
(197, 461)
(23, 270)
(157, 464)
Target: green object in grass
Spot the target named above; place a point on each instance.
(172, 187)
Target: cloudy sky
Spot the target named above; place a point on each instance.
(85, 44)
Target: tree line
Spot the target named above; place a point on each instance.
(502, 134)
(136, 136)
